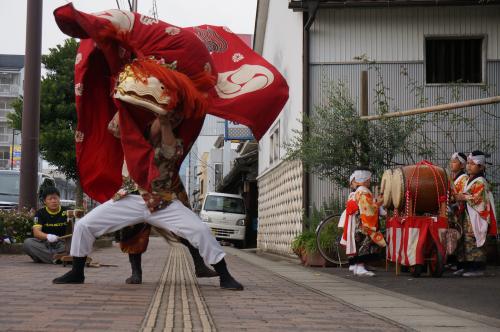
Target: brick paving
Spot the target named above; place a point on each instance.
(30, 302)
(278, 296)
(271, 303)
(169, 299)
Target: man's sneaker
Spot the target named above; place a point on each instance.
(473, 274)
(352, 268)
(459, 273)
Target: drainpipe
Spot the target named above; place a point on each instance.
(308, 19)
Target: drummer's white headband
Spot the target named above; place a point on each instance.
(457, 156)
(361, 176)
(478, 160)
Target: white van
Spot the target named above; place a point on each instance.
(225, 214)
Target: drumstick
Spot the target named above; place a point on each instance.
(65, 236)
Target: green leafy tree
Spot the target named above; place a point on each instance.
(337, 140)
(57, 109)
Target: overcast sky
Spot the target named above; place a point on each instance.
(238, 15)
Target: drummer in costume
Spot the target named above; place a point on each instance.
(361, 236)
(456, 212)
(351, 210)
(480, 218)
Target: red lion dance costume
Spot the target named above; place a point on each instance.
(138, 68)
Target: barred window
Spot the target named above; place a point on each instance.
(454, 60)
(274, 146)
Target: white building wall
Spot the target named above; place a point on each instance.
(397, 34)
(280, 183)
(283, 49)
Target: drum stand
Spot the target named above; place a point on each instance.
(443, 208)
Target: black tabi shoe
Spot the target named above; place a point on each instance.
(230, 284)
(75, 275)
(226, 279)
(201, 270)
(135, 264)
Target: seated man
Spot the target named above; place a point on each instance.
(50, 223)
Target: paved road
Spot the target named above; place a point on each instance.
(271, 302)
(479, 295)
(30, 302)
(279, 296)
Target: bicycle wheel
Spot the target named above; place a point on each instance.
(328, 237)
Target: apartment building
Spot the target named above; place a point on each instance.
(11, 87)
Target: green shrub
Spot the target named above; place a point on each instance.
(16, 225)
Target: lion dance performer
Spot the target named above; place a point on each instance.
(134, 239)
(163, 79)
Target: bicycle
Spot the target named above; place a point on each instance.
(328, 237)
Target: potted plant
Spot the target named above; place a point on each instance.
(301, 242)
(305, 244)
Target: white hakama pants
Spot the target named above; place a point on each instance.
(130, 210)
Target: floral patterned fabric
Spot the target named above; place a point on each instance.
(369, 214)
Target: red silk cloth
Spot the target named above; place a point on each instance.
(249, 90)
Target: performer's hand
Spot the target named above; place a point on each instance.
(52, 238)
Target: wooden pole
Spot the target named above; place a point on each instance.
(364, 94)
(437, 108)
(31, 106)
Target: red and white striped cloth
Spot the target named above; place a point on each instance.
(407, 238)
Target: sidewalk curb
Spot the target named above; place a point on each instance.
(278, 264)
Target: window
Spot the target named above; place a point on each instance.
(4, 154)
(274, 146)
(6, 103)
(454, 60)
(224, 204)
(8, 78)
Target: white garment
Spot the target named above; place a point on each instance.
(479, 225)
(343, 216)
(130, 210)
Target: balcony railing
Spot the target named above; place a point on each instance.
(4, 138)
(9, 90)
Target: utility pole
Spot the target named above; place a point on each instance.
(31, 106)
(134, 5)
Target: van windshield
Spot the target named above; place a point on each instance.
(9, 186)
(224, 204)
